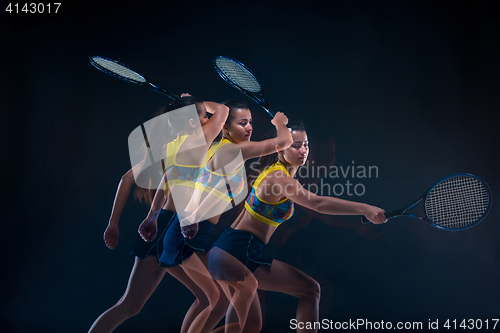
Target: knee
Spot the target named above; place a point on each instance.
(209, 298)
(213, 296)
(249, 285)
(247, 290)
(312, 290)
(129, 309)
(315, 289)
(201, 300)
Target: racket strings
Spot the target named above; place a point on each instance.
(457, 202)
(238, 74)
(118, 69)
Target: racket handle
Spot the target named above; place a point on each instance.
(266, 107)
(364, 220)
(271, 113)
(164, 92)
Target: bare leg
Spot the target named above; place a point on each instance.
(202, 302)
(289, 280)
(243, 315)
(218, 312)
(198, 273)
(253, 319)
(144, 278)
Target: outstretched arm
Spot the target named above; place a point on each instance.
(292, 189)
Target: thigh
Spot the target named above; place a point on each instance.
(195, 265)
(198, 273)
(180, 274)
(144, 278)
(284, 278)
(227, 267)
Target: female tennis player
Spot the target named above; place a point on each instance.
(146, 273)
(189, 253)
(236, 260)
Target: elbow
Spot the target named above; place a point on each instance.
(286, 142)
(225, 111)
(222, 111)
(220, 115)
(128, 177)
(320, 208)
(319, 205)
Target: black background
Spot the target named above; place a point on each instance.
(408, 86)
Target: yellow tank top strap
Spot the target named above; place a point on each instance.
(213, 148)
(271, 213)
(184, 175)
(216, 183)
(173, 149)
(276, 166)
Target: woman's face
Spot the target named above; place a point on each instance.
(297, 153)
(240, 128)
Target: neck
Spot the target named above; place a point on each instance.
(186, 132)
(228, 137)
(292, 169)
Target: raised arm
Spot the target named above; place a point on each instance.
(283, 139)
(214, 125)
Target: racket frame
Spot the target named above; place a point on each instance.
(256, 97)
(147, 83)
(402, 212)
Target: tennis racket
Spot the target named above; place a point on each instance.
(456, 202)
(241, 77)
(127, 74)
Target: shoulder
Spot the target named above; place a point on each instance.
(277, 175)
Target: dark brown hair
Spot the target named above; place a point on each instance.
(234, 104)
(266, 161)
